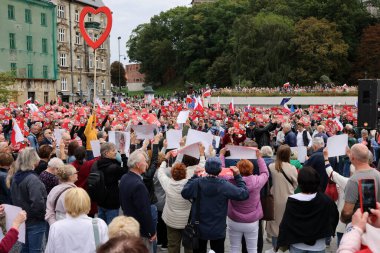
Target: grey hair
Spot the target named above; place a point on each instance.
(349, 126)
(101, 134)
(287, 126)
(318, 141)
(267, 151)
(364, 131)
(55, 163)
(106, 147)
(135, 158)
(27, 159)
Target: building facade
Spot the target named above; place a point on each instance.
(135, 79)
(75, 59)
(28, 48)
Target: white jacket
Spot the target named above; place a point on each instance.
(177, 209)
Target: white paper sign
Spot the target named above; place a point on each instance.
(58, 136)
(95, 145)
(301, 153)
(119, 139)
(191, 150)
(217, 141)
(194, 136)
(10, 214)
(337, 145)
(144, 131)
(182, 117)
(173, 137)
(33, 107)
(240, 152)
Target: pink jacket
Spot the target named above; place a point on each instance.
(250, 210)
(353, 240)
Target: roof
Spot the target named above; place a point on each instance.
(94, 3)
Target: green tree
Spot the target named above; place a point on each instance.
(118, 74)
(7, 79)
(320, 50)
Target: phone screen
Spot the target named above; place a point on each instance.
(367, 195)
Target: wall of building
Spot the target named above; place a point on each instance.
(135, 79)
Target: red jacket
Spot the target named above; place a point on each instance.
(9, 240)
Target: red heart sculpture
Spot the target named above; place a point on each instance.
(84, 12)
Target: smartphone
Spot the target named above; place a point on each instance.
(367, 194)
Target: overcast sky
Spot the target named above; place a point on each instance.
(128, 14)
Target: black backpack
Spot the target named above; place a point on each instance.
(96, 187)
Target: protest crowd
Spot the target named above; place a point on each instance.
(142, 175)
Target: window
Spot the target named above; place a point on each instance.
(45, 71)
(61, 11)
(61, 35)
(76, 16)
(43, 19)
(11, 12)
(89, 17)
(79, 62)
(77, 38)
(30, 70)
(103, 85)
(44, 46)
(29, 44)
(62, 60)
(79, 85)
(28, 16)
(102, 64)
(97, 63)
(63, 84)
(12, 41)
(14, 68)
(46, 97)
(90, 61)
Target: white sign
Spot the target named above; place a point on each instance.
(173, 137)
(337, 145)
(194, 136)
(120, 139)
(301, 153)
(144, 131)
(95, 145)
(182, 117)
(191, 150)
(240, 152)
(58, 136)
(10, 214)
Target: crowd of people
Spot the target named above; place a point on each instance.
(139, 194)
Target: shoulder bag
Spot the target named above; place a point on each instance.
(331, 189)
(190, 234)
(286, 177)
(95, 228)
(267, 204)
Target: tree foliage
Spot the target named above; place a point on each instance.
(7, 79)
(118, 74)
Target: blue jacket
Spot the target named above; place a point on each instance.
(291, 139)
(214, 196)
(135, 202)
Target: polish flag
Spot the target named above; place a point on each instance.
(198, 104)
(36, 102)
(207, 93)
(232, 107)
(17, 135)
(122, 103)
(217, 105)
(188, 99)
(29, 101)
(338, 124)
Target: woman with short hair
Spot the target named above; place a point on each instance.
(124, 225)
(48, 176)
(29, 193)
(77, 232)
(122, 244)
(55, 209)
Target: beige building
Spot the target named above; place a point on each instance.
(75, 59)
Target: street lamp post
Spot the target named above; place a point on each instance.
(118, 39)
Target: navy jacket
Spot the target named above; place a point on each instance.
(291, 139)
(317, 161)
(214, 196)
(135, 202)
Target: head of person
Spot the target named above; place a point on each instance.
(351, 133)
(48, 134)
(66, 138)
(122, 244)
(35, 129)
(245, 167)
(318, 143)
(251, 125)
(213, 166)
(359, 155)
(102, 135)
(54, 164)
(260, 122)
(138, 162)
(283, 155)
(286, 128)
(80, 154)
(364, 134)
(178, 171)
(27, 159)
(300, 127)
(266, 151)
(71, 148)
(6, 160)
(4, 147)
(308, 180)
(44, 151)
(108, 150)
(123, 225)
(320, 128)
(294, 155)
(77, 202)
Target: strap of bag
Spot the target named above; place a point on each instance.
(286, 177)
(198, 205)
(59, 195)
(96, 231)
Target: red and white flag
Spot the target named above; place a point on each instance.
(17, 135)
(198, 104)
(59, 100)
(29, 101)
(36, 102)
(207, 93)
(338, 124)
(217, 105)
(232, 107)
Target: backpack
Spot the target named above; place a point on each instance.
(96, 187)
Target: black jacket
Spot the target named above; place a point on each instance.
(29, 193)
(308, 221)
(113, 172)
(317, 161)
(262, 134)
(149, 174)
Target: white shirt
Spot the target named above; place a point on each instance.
(75, 235)
(300, 139)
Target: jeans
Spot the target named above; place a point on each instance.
(153, 209)
(107, 214)
(274, 242)
(174, 240)
(295, 250)
(215, 245)
(338, 238)
(236, 230)
(346, 168)
(34, 234)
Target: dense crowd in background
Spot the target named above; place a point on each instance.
(138, 195)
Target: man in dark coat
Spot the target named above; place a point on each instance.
(290, 136)
(262, 133)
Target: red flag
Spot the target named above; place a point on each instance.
(188, 99)
(207, 93)
(29, 101)
(198, 105)
(59, 100)
(217, 105)
(232, 107)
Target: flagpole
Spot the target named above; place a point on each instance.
(94, 78)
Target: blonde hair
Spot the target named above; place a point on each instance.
(27, 159)
(123, 225)
(64, 172)
(77, 202)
